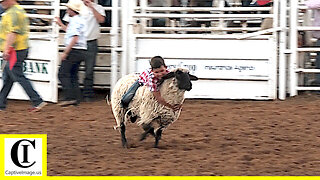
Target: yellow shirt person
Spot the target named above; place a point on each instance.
(14, 32)
(15, 20)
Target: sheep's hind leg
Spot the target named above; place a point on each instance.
(147, 129)
(123, 135)
(157, 136)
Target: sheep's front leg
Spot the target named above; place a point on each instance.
(123, 135)
(157, 136)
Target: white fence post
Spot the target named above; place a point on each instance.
(55, 33)
(114, 43)
(293, 47)
(221, 21)
(282, 49)
(131, 38)
(275, 37)
(124, 37)
(143, 5)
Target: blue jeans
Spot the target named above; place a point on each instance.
(68, 74)
(90, 62)
(16, 75)
(128, 96)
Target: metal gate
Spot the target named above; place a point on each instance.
(302, 49)
(231, 62)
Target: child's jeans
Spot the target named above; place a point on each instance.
(127, 97)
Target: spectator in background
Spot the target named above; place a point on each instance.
(263, 3)
(256, 3)
(175, 3)
(14, 35)
(95, 16)
(158, 22)
(161, 22)
(164, 3)
(204, 3)
(245, 3)
(74, 53)
(106, 3)
(315, 6)
(267, 22)
(37, 21)
(200, 3)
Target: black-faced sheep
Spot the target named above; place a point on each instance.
(144, 108)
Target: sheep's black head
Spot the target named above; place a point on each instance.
(183, 79)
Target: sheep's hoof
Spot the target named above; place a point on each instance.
(125, 145)
(143, 136)
(156, 143)
(147, 130)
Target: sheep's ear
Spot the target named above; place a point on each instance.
(169, 75)
(193, 78)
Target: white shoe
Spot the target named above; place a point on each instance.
(68, 103)
(38, 107)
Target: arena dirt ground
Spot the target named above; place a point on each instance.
(211, 137)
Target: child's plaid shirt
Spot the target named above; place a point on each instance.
(147, 78)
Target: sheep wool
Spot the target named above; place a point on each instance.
(144, 105)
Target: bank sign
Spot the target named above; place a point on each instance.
(41, 68)
(34, 69)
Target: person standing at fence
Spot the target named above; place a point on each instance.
(315, 6)
(95, 16)
(14, 35)
(74, 53)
